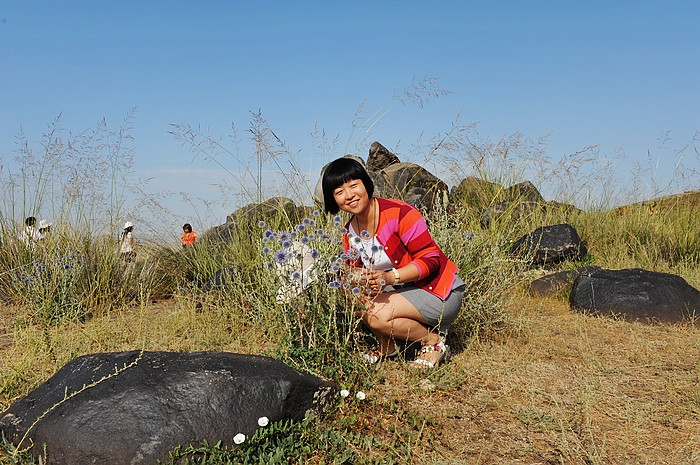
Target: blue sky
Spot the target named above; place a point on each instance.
(619, 75)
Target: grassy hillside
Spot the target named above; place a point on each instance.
(530, 381)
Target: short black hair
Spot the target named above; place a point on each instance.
(337, 173)
(30, 221)
(187, 226)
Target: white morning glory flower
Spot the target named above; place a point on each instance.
(263, 421)
(344, 393)
(360, 395)
(239, 438)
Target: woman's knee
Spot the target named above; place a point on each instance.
(377, 317)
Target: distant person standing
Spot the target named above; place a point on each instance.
(29, 234)
(188, 236)
(126, 243)
(44, 230)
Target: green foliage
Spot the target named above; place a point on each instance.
(10, 455)
(280, 443)
(341, 441)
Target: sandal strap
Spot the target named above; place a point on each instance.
(439, 347)
(427, 363)
(374, 356)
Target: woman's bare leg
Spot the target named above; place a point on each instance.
(391, 316)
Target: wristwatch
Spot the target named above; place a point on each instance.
(397, 276)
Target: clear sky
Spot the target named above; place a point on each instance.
(617, 74)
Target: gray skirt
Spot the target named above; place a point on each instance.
(438, 313)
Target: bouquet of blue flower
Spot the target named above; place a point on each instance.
(308, 254)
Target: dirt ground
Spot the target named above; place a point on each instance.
(561, 388)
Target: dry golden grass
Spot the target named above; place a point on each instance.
(560, 387)
(564, 388)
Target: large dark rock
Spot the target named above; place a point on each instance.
(476, 193)
(555, 283)
(133, 407)
(524, 191)
(249, 216)
(635, 294)
(550, 244)
(514, 203)
(415, 185)
(380, 157)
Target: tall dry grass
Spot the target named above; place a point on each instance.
(53, 313)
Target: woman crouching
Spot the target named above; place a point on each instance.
(415, 292)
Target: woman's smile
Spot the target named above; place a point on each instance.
(352, 197)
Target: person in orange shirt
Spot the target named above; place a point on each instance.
(188, 236)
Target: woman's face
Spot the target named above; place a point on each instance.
(352, 197)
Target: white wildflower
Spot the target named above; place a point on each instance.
(360, 395)
(344, 393)
(263, 421)
(239, 438)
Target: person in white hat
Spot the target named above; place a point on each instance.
(44, 229)
(126, 243)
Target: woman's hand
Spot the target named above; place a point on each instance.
(376, 281)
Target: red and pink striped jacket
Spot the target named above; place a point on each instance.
(403, 233)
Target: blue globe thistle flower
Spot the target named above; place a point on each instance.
(301, 227)
(334, 284)
(335, 268)
(281, 257)
(286, 244)
(356, 291)
(266, 250)
(261, 224)
(375, 248)
(267, 233)
(343, 230)
(306, 221)
(316, 213)
(315, 254)
(296, 276)
(356, 240)
(346, 286)
(305, 240)
(365, 234)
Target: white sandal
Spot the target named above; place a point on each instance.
(373, 356)
(440, 347)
